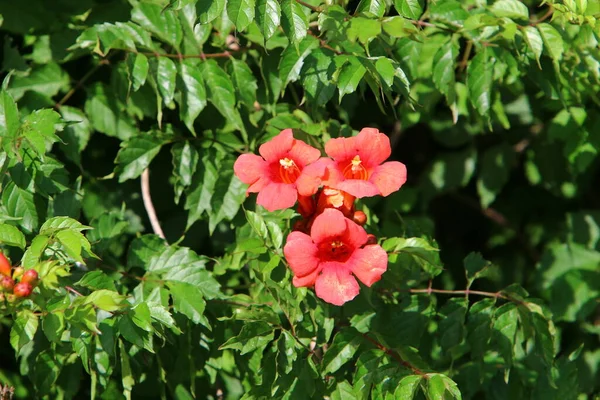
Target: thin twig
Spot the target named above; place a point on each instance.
(70, 289)
(81, 81)
(466, 55)
(543, 17)
(310, 6)
(394, 355)
(430, 290)
(149, 206)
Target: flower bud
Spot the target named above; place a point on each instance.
(359, 217)
(22, 289)
(371, 239)
(30, 276)
(17, 272)
(4, 265)
(7, 284)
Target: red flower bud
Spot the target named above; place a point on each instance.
(371, 239)
(30, 276)
(22, 289)
(4, 265)
(7, 284)
(18, 272)
(359, 217)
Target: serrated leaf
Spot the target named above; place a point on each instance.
(107, 300)
(244, 82)
(21, 204)
(188, 300)
(228, 196)
(9, 120)
(11, 236)
(363, 29)
(268, 16)
(162, 23)
(23, 329)
(203, 183)
(55, 224)
(440, 387)
(76, 134)
(241, 13)
(221, 92)
(193, 92)
(343, 391)
(48, 80)
(96, 280)
(254, 335)
(136, 154)
(138, 70)
(344, 346)
(443, 73)
(408, 386)
(185, 160)
(47, 368)
(494, 172)
(209, 10)
(514, 9)
(371, 8)
(450, 12)
(505, 331)
(292, 60)
(53, 325)
(480, 75)
(317, 74)
(409, 8)
(350, 75)
(165, 78)
(553, 41)
(106, 114)
(293, 21)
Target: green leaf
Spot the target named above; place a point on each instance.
(106, 114)
(228, 196)
(449, 12)
(56, 224)
(137, 153)
(409, 8)
(292, 60)
(440, 387)
(476, 267)
(398, 27)
(244, 82)
(107, 300)
(21, 204)
(221, 92)
(505, 331)
(514, 9)
(73, 243)
(268, 15)
(23, 329)
(34, 251)
(48, 80)
(11, 236)
(241, 13)
(199, 196)
(188, 300)
(452, 324)
(193, 92)
(343, 391)
(209, 10)
(371, 8)
(363, 29)
(480, 75)
(138, 70)
(254, 335)
(97, 280)
(185, 160)
(165, 77)
(76, 134)
(53, 325)
(494, 172)
(350, 75)
(162, 23)
(9, 120)
(46, 371)
(344, 346)
(443, 73)
(293, 21)
(534, 41)
(317, 74)
(127, 378)
(479, 326)
(408, 386)
(553, 41)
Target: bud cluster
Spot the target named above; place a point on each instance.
(15, 282)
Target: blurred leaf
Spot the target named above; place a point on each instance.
(443, 73)
(371, 8)
(511, 9)
(221, 92)
(11, 236)
(188, 300)
(553, 41)
(47, 79)
(441, 387)
(162, 23)
(409, 8)
(344, 346)
(494, 174)
(137, 153)
(292, 60)
(244, 82)
(23, 329)
(254, 335)
(479, 81)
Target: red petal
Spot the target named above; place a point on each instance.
(368, 263)
(308, 280)
(358, 188)
(389, 177)
(277, 196)
(303, 154)
(341, 148)
(336, 285)
(355, 235)
(330, 223)
(278, 147)
(301, 253)
(312, 176)
(250, 168)
(373, 147)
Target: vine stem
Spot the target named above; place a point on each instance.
(149, 206)
(466, 292)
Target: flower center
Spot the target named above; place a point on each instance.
(288, 170)
(336, 250)
(356, 170)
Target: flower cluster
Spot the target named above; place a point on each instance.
(328, 248)
(8, 275)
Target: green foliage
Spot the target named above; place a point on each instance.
(493, 244)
